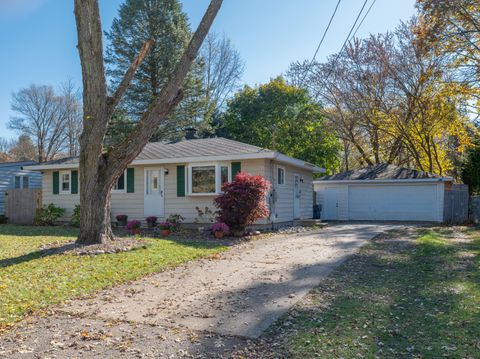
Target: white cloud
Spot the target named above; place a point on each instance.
(18, 8)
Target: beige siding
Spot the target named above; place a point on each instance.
(282, 206)
(122, 203)
(131, 204)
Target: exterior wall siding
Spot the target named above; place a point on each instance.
(283, 204)
(132, 204)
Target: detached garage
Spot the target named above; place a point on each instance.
(382, 193)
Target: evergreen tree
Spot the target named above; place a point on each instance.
(165, 22)
(470, 169)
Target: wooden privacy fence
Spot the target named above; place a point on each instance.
(21, 205)
(456, 204)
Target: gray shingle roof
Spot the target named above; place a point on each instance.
(197, 148)
(17, 163)
(382, 171)
(184, 149)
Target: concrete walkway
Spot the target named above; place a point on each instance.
(242, 293)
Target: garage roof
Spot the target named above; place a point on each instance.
(382, 172)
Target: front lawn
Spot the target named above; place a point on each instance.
(31, 280)
(397, 299)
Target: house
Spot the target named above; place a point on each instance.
(382, 192)
(175, 178)
(13, 176)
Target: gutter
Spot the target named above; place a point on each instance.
(409, 180)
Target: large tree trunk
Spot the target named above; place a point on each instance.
(99, 168)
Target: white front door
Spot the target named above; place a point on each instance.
(297, 193)
(154, 203)
(330, 203)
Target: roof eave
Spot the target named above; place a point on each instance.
(298, 163)
(246, 156)
(407, 180)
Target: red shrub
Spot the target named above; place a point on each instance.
(243, 201)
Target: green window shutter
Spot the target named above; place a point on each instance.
(56, 182)
(180, 181)
(74, 186)
(236, 167)
(130, 180)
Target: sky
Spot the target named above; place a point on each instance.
(38, 37)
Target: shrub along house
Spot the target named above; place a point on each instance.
(175, 178)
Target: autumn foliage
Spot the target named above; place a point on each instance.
(243, 201)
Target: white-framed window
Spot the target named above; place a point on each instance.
(120, 185)
(280, 175)
(65, 182)
(21, 181)
(208, 178)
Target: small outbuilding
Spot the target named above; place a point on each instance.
(382, 193)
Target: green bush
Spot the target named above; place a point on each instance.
(75, 220)
(3, 219)
(48, 215)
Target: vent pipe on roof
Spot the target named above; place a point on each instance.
(190, 133)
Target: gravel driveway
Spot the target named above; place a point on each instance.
(237, 295)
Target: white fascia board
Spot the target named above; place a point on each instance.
(51, 167)
(298, 163)
(391, 181)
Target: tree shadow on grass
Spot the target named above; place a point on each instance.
(37, 231)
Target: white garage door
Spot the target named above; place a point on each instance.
(393, 202)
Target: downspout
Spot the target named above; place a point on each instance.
(272, 195)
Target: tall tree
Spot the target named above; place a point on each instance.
(470, 168)
(39, 115)
(391, 102)
(5, 146)
(166, 24)
(71, 112)
(453, 28)
(224, 68)
(100, 168)
(23, 149)
(283, 118)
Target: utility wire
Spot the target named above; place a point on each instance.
(344, 43)
(321, 41)
(363, 19)
(353, 27)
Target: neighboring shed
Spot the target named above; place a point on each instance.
(382, 192)
(13, 176)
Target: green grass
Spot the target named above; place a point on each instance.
(30, 280)
(397, 301)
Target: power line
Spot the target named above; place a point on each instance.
(353, 27)
(344, 43)
(363, 19)
(321, 40)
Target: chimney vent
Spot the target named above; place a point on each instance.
(190, 133)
